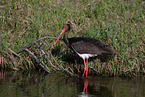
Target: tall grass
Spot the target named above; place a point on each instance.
(118, 23)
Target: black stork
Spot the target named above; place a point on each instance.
(85, 47)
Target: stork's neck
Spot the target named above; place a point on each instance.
(65, 38)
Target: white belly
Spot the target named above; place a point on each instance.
(86, 56)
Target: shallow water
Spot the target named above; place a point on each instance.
(34, 84)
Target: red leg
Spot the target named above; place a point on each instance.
(85, 67)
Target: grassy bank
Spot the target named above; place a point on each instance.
(120, 24)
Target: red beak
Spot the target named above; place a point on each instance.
(62, 32)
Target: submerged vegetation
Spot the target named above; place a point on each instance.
(118, 23)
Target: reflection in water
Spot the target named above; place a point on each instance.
(85, 85)
(89, 90)
(17, 84)
(84, 93)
